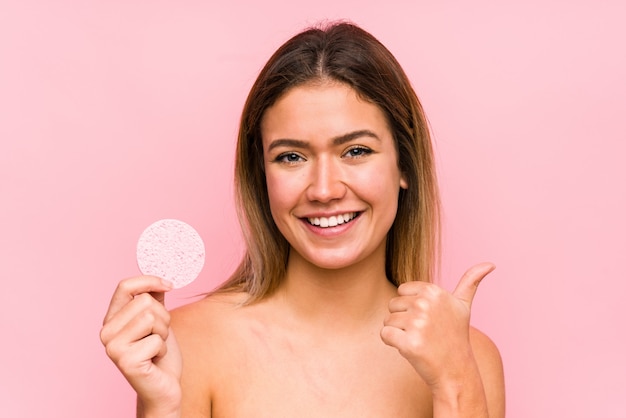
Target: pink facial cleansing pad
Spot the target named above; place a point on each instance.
(172, 250)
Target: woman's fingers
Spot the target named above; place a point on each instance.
(468, 284)
(127, 289)
(133, 324)
(137, 337)
(142, 316)
(430, 326)
(138, 355)
(393, 336)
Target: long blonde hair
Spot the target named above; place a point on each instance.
(348, 54)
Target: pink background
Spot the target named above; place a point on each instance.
(114, 114)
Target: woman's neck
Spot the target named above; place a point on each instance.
(340, 298)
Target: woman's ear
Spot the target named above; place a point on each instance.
(404, 184)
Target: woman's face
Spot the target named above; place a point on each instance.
(332, 174)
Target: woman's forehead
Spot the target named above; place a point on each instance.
(320, 110)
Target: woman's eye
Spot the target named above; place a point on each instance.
(358, 152)
(289, 157)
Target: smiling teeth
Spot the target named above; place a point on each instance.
(332, 220)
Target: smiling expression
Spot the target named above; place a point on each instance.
(332, 174)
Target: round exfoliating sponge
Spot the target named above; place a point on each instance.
(172, 250)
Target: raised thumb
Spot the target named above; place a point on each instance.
(467, 286)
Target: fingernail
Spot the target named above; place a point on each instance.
(167, 283)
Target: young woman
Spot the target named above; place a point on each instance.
(332, 312)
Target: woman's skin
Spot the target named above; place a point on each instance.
(336, 339)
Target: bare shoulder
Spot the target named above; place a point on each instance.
(210, 309)
(491, 369)
(201, 329)
(200, 326)
(483, 345)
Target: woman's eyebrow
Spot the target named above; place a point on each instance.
(296, 143)
(338, 140)
(342, 139)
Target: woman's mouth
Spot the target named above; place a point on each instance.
(327, 222)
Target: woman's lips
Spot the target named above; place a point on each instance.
(331, 221)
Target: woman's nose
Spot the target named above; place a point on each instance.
(326, 181)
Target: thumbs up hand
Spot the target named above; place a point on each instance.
(430, 327)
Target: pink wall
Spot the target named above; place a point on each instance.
(114, 114)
